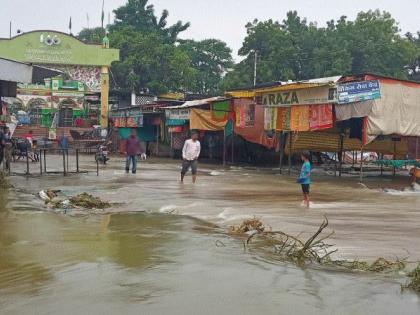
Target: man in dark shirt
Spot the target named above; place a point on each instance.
(132, 149)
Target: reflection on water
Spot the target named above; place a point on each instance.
(151, 263)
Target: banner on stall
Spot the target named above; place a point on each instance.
(135, 121)
(220, 110)
(318, 95)
(359, 91)
(299, 118)
(180, 113)
(321, 117)
(245, 115)
(283, 118)
(270, 118)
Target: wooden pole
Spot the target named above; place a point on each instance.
(417, 148)
(340, 170)
(282, 139)
(290, 152)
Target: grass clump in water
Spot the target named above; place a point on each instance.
(88, 201)
(414, 280)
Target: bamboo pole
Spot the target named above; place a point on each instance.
(290, 152)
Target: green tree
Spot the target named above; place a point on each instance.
(92, 35)
(141, 16)
(296, 50)
(211, 59)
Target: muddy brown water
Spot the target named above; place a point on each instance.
(157, 251)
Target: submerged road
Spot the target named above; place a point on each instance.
(368, 222)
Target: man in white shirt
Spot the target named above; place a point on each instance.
(190, 154)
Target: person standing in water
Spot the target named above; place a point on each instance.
(190, 154)
(132, 148)
(305, 177)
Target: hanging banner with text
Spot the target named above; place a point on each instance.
(358, 91)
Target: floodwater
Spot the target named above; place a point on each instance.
(162, 248)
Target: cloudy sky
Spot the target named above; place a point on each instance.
(222, 19)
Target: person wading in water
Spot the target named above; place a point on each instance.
(132, 149)
(305, 177)
(190, 154)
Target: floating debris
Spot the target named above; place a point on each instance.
(313, 250)
(250, 225)
(414, 280)
(88, 201)
(84, 200)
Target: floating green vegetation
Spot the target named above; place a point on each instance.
(414, 280)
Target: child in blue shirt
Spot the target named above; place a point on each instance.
(305, 177)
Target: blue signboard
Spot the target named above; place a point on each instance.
(358, 91)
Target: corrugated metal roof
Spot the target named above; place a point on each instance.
(199, 102)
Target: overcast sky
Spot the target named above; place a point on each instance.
(222, 19)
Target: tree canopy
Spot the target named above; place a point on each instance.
(295, 49)
(154, 59)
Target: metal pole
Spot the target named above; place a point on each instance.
(27, 162)
(40, 161)
(224, 146)
(417, 147)
(67, 162)
(10, 29)
(290, 152)
(233, 147)
(361, 165)
(64, 163)
(395, 157)
(97, 167)
(157, 139)
(382, 166)
(77, 160)
(45, 161)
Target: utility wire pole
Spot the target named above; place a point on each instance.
(255, 67)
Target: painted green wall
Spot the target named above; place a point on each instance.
(33, 47)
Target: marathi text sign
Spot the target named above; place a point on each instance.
(183, 113)
(358, 91)
(308, 96)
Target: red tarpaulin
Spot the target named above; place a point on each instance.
(253, 133)
(321, 117)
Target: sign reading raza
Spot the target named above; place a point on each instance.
(358, 91)
(309, 96)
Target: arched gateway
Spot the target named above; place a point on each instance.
(81, 62)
